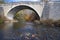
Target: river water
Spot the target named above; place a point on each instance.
(28, 31)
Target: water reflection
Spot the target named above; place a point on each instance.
(28, 31)
(19, 31)
(1, 31)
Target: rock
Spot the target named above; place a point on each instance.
(37, 22)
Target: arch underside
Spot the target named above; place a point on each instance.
(14, 10)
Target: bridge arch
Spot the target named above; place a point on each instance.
(14, 10)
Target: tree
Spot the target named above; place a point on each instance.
(19, 16)
(2, 1)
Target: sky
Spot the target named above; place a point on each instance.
(55, 0)
(25, 0)
(19, 0)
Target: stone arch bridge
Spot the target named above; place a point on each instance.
(11, 8)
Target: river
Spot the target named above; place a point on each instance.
(28, 31)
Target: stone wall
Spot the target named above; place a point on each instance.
(54, 12)
(1, 11)
(51, 11)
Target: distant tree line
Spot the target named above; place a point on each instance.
(1, 2)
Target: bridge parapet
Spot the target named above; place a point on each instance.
(15, 3)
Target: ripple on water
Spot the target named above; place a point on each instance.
(31, 31)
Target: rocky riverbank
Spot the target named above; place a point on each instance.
(50, 23)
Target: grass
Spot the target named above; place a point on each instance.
(1, 20)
